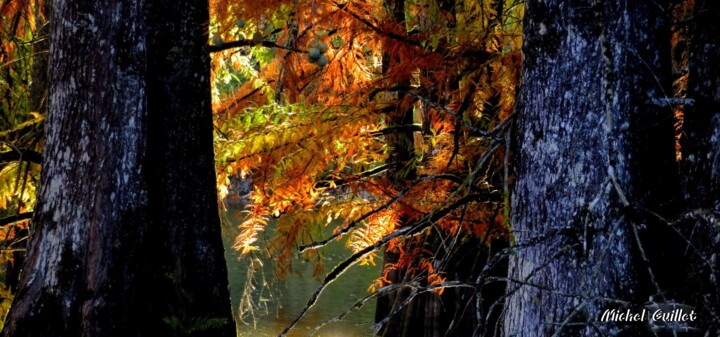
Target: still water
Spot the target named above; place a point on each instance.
(285, 300)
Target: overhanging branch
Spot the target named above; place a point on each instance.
(411, 229)
(248, 43)
(400, 194)
(21, 155)
(15, 218)
(397, 129)
(354, 177)
(22, 129)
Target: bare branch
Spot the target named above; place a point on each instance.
(21, 155)
(410, 230)
(22, 129)
(15, 218)
(248, 43)
(365, 174)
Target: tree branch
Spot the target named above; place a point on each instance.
(482, 55)
(415, 290)
(365, 174)
(410, 230)
(16, 218)
(250, 42)
(22, 129)
(346, 229)
(465, 123)
(343, 7)
(21, 155)
(397, 129)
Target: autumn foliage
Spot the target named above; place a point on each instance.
(373, 122)
(402, 124)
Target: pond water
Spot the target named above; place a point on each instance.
(285, 300)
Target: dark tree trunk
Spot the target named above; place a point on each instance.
(700, 168)
(701, 154)
(126, 237)
(595, 157)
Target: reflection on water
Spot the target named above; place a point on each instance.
(292, 294)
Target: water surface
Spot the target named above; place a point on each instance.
(283, 301)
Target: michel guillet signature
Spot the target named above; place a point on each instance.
(659, 316)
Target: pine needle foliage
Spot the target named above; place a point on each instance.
(305, 97)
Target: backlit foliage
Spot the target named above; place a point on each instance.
(322, 143)
(20, 123)
(20, 135)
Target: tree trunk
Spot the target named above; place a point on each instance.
(126, 237)
(594, 156)
(700, 170)
(701, 160)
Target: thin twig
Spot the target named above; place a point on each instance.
(411, 230)
(248, 43)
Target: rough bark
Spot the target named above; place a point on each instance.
(126, 237)
(594, 157)
(701, 158)
(700, 169)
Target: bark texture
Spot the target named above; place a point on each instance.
(126, 237)
(700, 168)
(593, 156)
(701, 154)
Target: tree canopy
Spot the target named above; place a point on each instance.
(312, 132)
